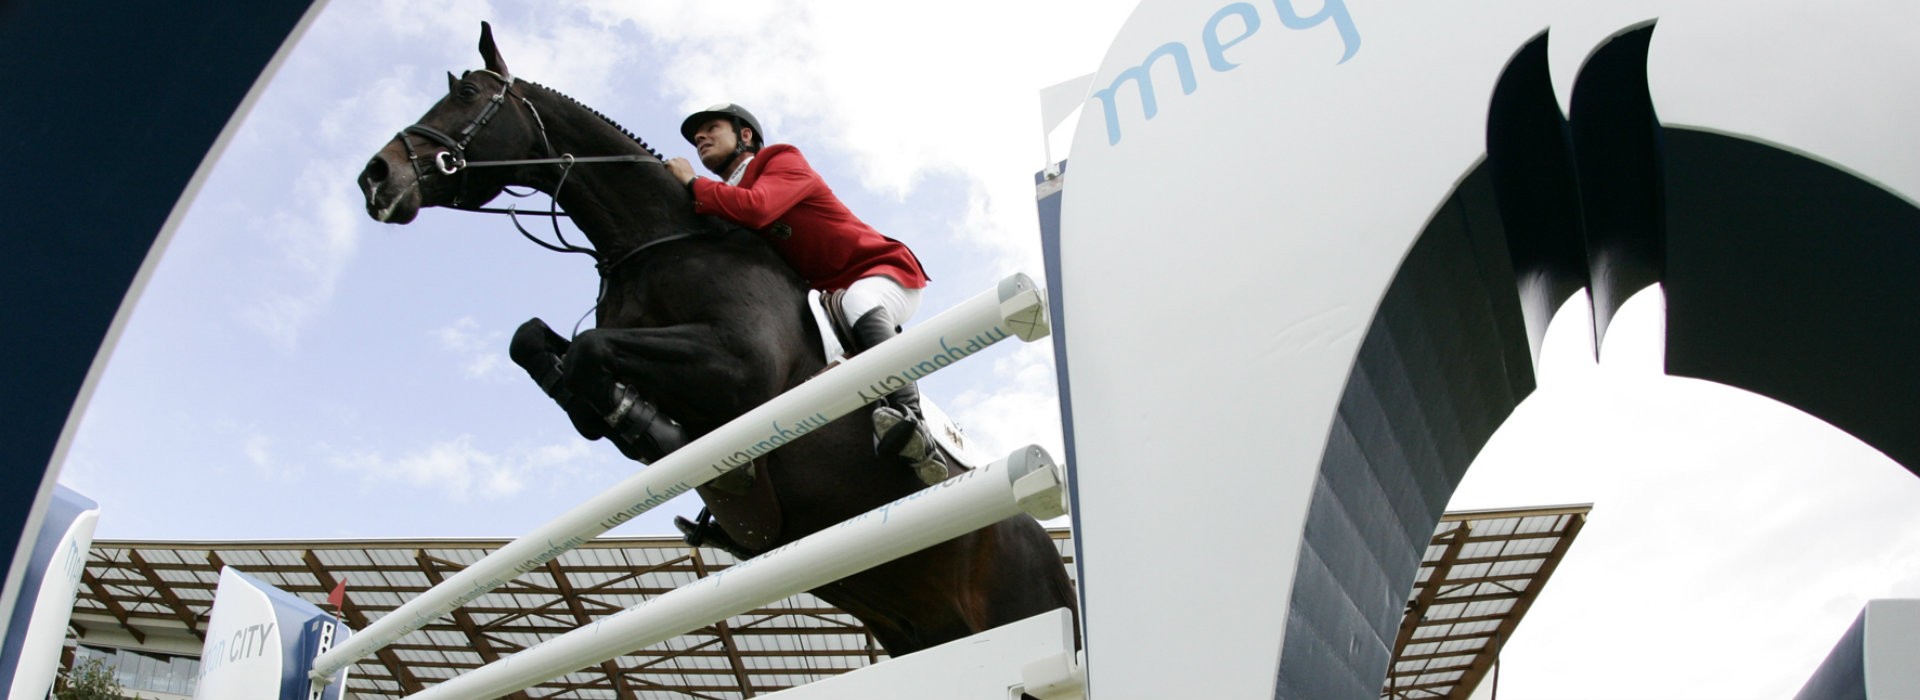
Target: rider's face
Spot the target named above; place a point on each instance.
(715, 141)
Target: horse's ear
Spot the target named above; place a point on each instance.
(452, 82)
(489, 52)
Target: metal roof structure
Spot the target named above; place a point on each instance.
(166, 588)
(1488, 566)
(1480, 574)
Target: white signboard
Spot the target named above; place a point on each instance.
(46, 602)
(261, 641)
(1245, 180)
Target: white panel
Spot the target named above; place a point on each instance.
(242, 654)
(984, 665)
(46, 624)
(1221, 262)
(1222, 258)
(1892, 643)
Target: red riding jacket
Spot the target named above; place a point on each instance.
(786, 201)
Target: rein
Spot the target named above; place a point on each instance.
(453, 161)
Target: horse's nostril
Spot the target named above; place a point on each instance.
(376, 171)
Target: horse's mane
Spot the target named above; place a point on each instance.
(610, 122)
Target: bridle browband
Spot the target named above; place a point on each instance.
(453, 161)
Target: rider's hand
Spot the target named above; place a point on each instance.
(681, 169)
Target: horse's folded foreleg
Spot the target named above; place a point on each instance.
(627, 374)
(616, 412)
(538, 350)
(639, 429)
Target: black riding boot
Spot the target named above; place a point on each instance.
(634, 426)
(899, 427)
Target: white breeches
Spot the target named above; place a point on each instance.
(869, 293)
(866, 294)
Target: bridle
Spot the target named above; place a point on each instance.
(453, 161)
(454, 158)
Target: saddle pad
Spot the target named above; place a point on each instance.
(834, 338)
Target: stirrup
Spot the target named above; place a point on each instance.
(697, 530)
(690, 531)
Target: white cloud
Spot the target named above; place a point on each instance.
(1747, 531)
(310, 246)
(1019, 407)
(314, 228)
(258, 450)
(479, 352)
(462, 472)
(905, 91)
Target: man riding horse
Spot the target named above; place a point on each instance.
(702, 319)
(869, 283)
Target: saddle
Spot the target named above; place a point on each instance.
(760, 517)
(837, 321)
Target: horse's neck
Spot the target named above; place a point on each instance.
(622, 205)
(617, 205)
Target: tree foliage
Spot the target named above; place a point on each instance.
(88, 680)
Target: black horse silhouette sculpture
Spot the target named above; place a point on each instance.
(699, 321)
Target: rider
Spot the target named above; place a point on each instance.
(872, 281)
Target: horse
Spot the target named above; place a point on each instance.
(699, 321)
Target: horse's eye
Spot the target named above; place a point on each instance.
(468, 90)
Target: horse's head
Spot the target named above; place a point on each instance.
(425, 165)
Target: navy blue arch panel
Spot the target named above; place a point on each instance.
(1530, 161)
(1616, 141)
(1444, 362)
(111, 108)
(1797, 280)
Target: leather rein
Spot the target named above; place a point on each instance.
(454, 161)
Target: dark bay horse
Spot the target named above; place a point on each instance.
(704, 321)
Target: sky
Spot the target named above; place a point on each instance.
(294, 369)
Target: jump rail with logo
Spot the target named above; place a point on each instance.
(1026, 480)
(1015, 307)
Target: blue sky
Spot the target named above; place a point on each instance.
(295, 370)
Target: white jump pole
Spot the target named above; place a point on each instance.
(1015, 307)
(1026, 480)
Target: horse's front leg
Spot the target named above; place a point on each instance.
(539, 351)
(630, 375)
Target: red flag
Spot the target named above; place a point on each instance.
(339, 595)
